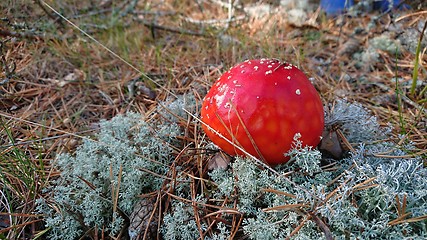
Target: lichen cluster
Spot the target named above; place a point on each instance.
(117, 165)
(360, 197)
(364, 195)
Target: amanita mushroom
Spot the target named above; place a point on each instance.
(260, 105)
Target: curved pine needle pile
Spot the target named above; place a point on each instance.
(108, 146)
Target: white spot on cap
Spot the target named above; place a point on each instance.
(234, 81)
(275, 84)
(229, 76)
(227, 105)
(298, 92)
(257, 97)
(288, 77)
(223, 88)
(207, 106)
(220, 97)
(268, 72)
(242, 66)
(270, 66)
(243, 71)
(256, 68)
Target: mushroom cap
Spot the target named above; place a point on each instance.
(260, 105)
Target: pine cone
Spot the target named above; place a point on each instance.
(140, 219)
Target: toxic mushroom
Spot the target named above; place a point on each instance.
(260, 105)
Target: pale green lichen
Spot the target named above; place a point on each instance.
(356, 199)
(180, 224)
(82, 197)
(360, 204)
(386, 43)
(371, 54)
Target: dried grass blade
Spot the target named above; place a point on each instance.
(93, 187)
(286, 207)
(363, 185)
(399, 220)
(325, 229)
(278, 192)
(239, 148)
(415, 219)
(223, 211)
(234, 139)
(248, 133)
(108, 49)
(399, 207)
(17, 226)
(296, 230)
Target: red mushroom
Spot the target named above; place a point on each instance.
(260, 105)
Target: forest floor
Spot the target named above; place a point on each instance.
(59, 77)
